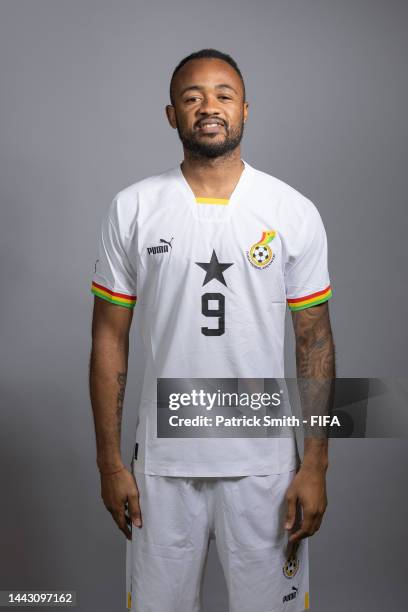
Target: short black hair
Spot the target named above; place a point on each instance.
(204, 54)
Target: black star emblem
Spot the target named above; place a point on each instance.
(214, 269)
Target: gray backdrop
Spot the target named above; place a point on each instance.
(83, 89)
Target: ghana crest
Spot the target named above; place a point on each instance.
(260, 254)
(292, 562)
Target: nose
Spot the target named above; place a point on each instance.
(209, 106)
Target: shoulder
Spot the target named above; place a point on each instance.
(294, 214)
(289, 200)
(125, 205)
(148, 186)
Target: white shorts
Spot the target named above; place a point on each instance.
(166, 558)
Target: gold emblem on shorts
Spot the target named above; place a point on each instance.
(292, 563)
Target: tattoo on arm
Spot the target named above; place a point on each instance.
(315, 363)
(121, 378)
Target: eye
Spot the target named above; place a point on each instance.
(191, 99)
(225, 97)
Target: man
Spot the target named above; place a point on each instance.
(213, 251)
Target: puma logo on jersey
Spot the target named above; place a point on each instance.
(167, 242)
(161, 248)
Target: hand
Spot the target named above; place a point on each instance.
(307, 489)
(117, 490)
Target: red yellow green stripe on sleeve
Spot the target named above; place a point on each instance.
(120, 299)
(310, 300)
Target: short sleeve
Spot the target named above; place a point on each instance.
(307, 281)
(114, 278)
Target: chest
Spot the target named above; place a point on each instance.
(238, 253)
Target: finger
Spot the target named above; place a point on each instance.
(303, 531)
(291, 548)
(134, 510)
(290, 511)
(297, 535)
(317, 523)
(120, 519)
(306, 530)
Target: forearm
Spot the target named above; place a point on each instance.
(316, 453)
(107, 379)
(316, 396)
(315, 363)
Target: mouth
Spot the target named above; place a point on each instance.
(210, 127)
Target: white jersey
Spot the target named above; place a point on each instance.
(212, 279)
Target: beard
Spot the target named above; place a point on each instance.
(205, 147)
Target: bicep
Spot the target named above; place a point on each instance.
(110, 320)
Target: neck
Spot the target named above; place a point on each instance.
(212, 177)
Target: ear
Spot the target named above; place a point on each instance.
(171, 115)
(246, 104)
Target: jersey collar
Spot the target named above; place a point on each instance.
(224, 207)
